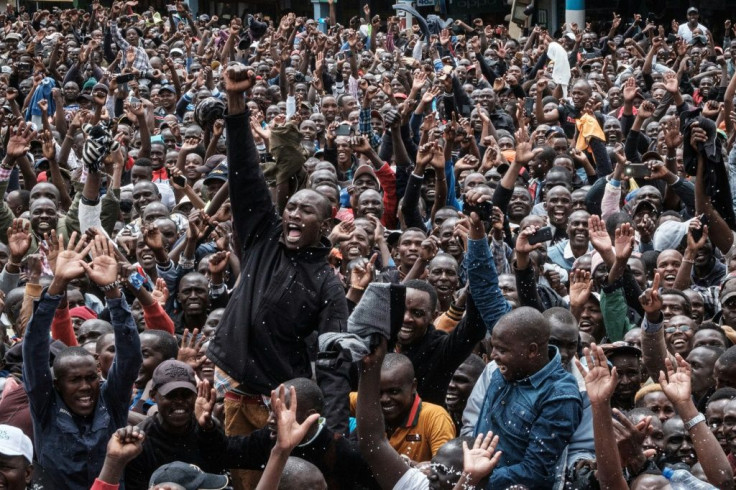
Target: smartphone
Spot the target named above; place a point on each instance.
(24, 66)
(125, 78)
(134, 100)
(698, 234)
(483, 209)
(179, 180)
(529, 105)
(343, 130)
(637, 170)
(542, 235)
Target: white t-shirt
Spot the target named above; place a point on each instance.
(412, 480)
(686, 33)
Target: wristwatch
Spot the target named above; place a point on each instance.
(694, 421)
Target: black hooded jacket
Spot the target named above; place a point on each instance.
(282, 296)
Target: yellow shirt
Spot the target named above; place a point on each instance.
(426, 429)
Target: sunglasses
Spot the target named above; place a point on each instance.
(681, 328)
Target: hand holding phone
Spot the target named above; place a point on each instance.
(541, 235)
(637, 170)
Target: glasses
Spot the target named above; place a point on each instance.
(681, 328)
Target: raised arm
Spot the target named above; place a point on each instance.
(252, 210)
(385, 463)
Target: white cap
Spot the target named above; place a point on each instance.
(13, 442)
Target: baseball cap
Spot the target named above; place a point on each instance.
(651, 155)
(13, 442)
(620, 347)
(217, 173)
(171, 375)
(644, 203)
(169, 88)
(176, 52)
(365, 169)
(13, 36)
(188, 476)
(728, 291)
(692, 10)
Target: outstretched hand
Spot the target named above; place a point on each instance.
(480, 460)
(600, 382)
(290, 433)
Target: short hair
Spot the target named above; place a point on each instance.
(548, 154)
(427, 288)
(649, 259)
(101, 341)
(709, 325)
(643, 411)
(475, 362)
(531, 321)
(307, 393)
(299, 473)
(394, 360)
(677, 292)
(68, 353)
(615, 220)
(728, 358)
(726, 393)
(143, 162)
(166, 343)
(560, 315)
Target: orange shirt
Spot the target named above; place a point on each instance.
(426, 429)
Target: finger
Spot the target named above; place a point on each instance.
(478, 441)
(655, 283)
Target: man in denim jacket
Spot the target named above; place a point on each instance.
(74, 415)
(531, 402)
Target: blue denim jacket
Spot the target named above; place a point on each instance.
(71, 448)
(534, 419)
(483, 283)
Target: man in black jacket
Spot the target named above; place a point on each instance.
(287, 290)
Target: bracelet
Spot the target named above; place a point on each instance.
(688, 261)
(110, 287)
(357, 288)
(694, 421)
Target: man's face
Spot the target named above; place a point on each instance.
(409, 246)
(714, 413)
(356, 246)
(588, 40)
(166, 98)
(158, 153)
(176, 408)
(448, 241)
(658, 403)
(418, 315)
(152, 357)
(329, 108)
(702, 360)
(344, 152)
(729, 425)
(443, 276)
(139, 173)
(106, 353)
(144, 193)
(577, 229)
(370, 203)
(91, 330)
(364, 182)
(697, 305)
(511, 353)
(678, 445)
(507, 285)
(302, 220)
(565, 337)
(193, 295)
(628, 367)
(78, 384)
(693, 18)
(71, 92)
(580, 94)
(559, 206)
(397, 393)
(591, 319)
(672, 305)
(651, 194)
(678, 333)
(728, 308)
(15, 472)
(461, 385)
(612, 130)
(725, 375)
(668, 263)
(520, 204)
(708, 337)
(43, 216)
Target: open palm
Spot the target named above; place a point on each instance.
(599, 381)
(676, 385)
(598, 235)
(290, 432)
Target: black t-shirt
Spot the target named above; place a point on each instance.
(569, 115)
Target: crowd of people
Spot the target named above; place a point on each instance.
(290, 253)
